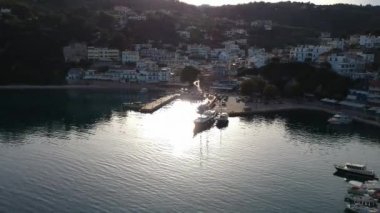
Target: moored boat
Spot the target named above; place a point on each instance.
(339, 119)
(203, 107)
(356, 169)
(364, 200)
(358, 208)
(222, 119)
(373, 190)
(206, 119)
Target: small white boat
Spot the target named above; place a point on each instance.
(340, 118)
(356, 169)
(222, 119)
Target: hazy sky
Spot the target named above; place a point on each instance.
(221, 2)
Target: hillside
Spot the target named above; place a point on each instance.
(340, 19)
(33, 35)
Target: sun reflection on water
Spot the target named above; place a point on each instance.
(171, 129)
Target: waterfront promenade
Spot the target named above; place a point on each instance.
(235, 108)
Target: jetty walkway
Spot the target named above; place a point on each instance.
(157, 104)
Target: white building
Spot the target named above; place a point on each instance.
(198, 50)
(184, 34)
(266, 24)
(224, 56)
(75, 52)
(113, 74)
(121, 13)
(137, 18)
(74, 74)
(308, 53)
(336, 44)
(369, 58)
(144, 65)
(214, 53)
(257, 58)
(354, 40)
(130, 75)
(138, 47)
(157, 55)
(349, 65)
(103, 54)
(236, 32)
(220, 69)
(234, 50)
(5, 11)
(369, 41)
(149, 72)
(130, 57)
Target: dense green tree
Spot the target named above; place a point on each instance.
(189, 74)
(253, 85)
(294, 79)
(118, 41)
(270, 91)
(247, 87)
(293, 89)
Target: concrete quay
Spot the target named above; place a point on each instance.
(157, 104)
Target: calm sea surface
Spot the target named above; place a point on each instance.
(78, 151)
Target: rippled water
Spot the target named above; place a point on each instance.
(78, 151)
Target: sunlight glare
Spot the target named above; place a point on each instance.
(172, 128)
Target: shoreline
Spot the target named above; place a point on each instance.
(83, 87)
(258, 111)
(235, 110)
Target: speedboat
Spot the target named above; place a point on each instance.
(340, 118)
(222, 119)
(356, 169)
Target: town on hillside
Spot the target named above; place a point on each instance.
(163, 64)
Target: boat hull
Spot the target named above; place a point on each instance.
(201, 126)
(345, 171)
(221, 123)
